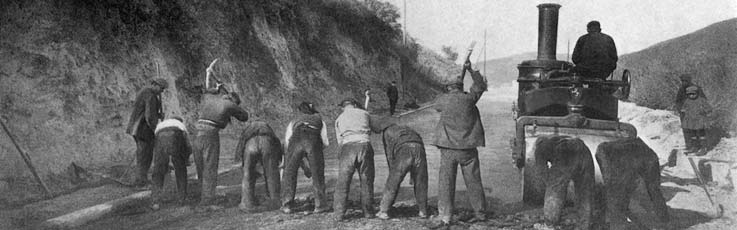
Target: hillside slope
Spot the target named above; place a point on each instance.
(504, 70)
(709, 55)
(69, 70)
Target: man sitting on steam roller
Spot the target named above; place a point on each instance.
(458, 133)
(595, 54)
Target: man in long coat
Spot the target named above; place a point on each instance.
(143, 120)
(458, 133)
(687, 81)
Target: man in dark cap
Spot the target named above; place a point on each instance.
(405, 153)
(143, 120)
(215, 114)
(171, 145)
(458, 133)
(393, 94)
(306, 137)
(595, 54)
(352, 129)
(687, 81)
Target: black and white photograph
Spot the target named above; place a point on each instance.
(368, 114)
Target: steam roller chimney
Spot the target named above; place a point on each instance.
(547, 30)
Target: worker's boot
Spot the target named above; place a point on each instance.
(693, 145)
(702, 147)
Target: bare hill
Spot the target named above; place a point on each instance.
(504, 70)
(69, 70)
(709, 55)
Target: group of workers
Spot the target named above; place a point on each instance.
(457, 135)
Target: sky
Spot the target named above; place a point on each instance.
(511, 25)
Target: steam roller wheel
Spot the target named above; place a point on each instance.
(533, 185)
(626, 89)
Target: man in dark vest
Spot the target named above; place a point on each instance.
(595, 54)
(171, 145)
(687, 81)
(405, 153)
(143, 120)
(458, 133)
(393, 94)
(306, 136)
(258, 143)
(215, 114)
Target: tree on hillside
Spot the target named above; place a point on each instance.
(450, 53)
(385, 11)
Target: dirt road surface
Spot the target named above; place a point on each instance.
(500, 179)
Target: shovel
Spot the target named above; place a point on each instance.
(718, 209)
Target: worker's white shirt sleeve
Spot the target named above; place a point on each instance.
(288, 135)
(337, 131)
(324, 135)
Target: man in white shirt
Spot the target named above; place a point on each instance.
(170, 144)
(352, 131)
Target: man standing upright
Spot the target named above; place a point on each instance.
(352, 131)
(595, 54)
(215, 114)
(458, 133)
(687, 81)
(393, 94)
(144, 118)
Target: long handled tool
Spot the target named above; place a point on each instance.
(468, 59)
(717, 208)
(27, 160)
(211, 75)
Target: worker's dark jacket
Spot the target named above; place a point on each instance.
(219, 110)
(392, 93)
(393, 135)
(460, 123)
(146, 114)
(696, 114)
(252, 129)
(681, 96)
(596, 52)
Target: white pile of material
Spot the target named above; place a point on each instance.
(659, 129)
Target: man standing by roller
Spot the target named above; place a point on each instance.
(143, 120)
(458, 133)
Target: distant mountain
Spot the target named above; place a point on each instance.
(504, 70)
(709, 55)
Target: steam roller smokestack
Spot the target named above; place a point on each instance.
(547, 30)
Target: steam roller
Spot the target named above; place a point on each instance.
(555, 100)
